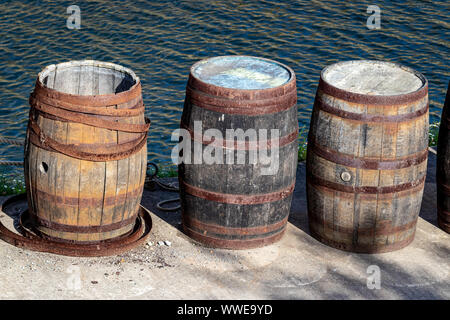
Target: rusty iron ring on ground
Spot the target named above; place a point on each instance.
(32, 241)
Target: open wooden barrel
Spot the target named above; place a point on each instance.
(86, 151)
(367, 156)
(443, 167)
(230, 203)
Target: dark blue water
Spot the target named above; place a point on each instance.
(161, 40)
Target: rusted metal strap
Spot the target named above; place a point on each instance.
(442, 186)
(374, 99)
(443, 214)
(361, 248)
(235, 244)
(136, 110)
(236, 198)
(244, 145)
(443, 225)
(118, 152)
(91, 120)
(314, 180)
(363, 117)
(110, 247)
(87, 202)
(364, 163)
(90, 100)
(96, 148)
(381, 228)
(249, 107)
(81, 229)
(233, 231)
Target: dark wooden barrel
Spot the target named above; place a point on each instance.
(86, 151)
(443, 168)
(367, 156)
(240, 204)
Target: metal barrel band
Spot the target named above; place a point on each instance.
(315, 180)
(224, 102)
(363, 117)
(233, 231)
(241, 199)
(442, 186)
(95, 148)
(40, 222)
(233, 244)
(443, 214)
(88, 202)
(109, 111)
(259, 110)
(91, 120)
(359, 248)
(31, 231)
(92, 100)
(244, 145)
(363, 163)
(40, 140)
(374, 99)
(107, 248)
(444, 225)
(380, 229)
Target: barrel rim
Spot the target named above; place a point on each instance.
(90, 100)
(362, 98)
(245, 93)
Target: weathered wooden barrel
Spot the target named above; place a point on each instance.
(86, 151)
(443, 167)
(367, 156)
(238, 204)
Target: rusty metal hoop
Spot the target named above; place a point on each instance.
(31, 240)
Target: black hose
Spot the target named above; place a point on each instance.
(165, 186)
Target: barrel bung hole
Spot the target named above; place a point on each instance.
(43, 167)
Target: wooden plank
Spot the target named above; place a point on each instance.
(124, 166)
(68, 81)
(106, 86)
(92, 173)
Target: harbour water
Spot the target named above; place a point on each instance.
(160, 40)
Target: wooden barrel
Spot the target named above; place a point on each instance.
(239, 204)
(443, 168)
(367, 156)
(86, 151)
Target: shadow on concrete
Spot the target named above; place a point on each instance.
(340, 280)
(153, 194)
(299, 211)
(428, 210)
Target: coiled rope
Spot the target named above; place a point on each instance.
(13, 142)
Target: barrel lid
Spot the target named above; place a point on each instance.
(371, 77)
(241, 72)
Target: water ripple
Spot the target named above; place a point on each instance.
(160, 41)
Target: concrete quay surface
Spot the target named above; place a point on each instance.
(297, 267)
